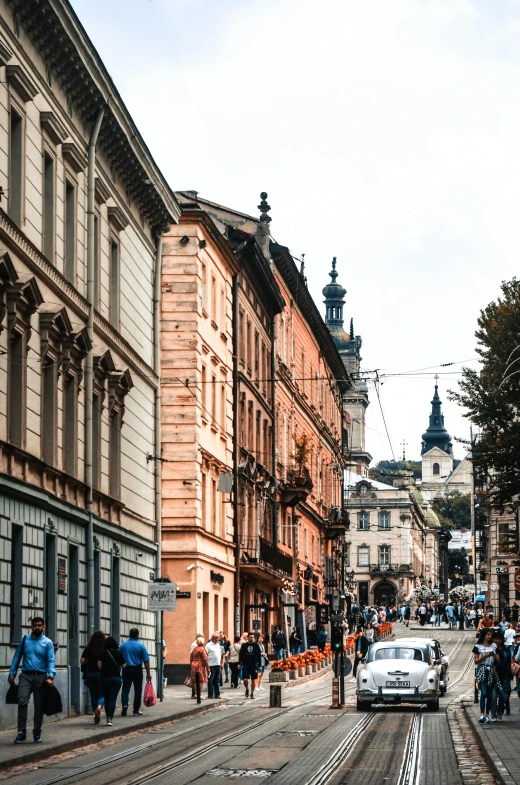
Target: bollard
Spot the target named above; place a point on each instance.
(275, 696)
(335, 694)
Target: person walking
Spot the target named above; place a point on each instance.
(485, 657)
(35, 655)
(322, 638)
(503, 668)
(225, 645)
(251, 661)
(515, 608)
(516, 659)
(264, 661)
(279, 641)
(361, 649)
(135, 654)
(295, 640)
(234, 664)
(370, 634)
(486, 622)
(111, 664)
(92, 675)
(452, 619)
(509, 636)
(423, 610)
(215, 661)
(407, 612)
(199, 667)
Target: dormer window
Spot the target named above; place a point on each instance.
(363, 489)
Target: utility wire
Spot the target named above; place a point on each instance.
(383, 415)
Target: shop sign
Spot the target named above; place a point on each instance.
(216, 577)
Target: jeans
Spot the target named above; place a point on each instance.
(503, 697)
(295, 648)
(111, 687)
(278, 653)
(132, 675)
(226, 670)
(235, 667)
(214, 682)
(93, 682)
(28, 684)
(437, 619)
(488, 699)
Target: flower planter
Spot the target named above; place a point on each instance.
(315, 667)
(301, 671)
(278, 676)
(308, 670)
(293, 674)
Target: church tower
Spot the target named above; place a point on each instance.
(436, 450)
(355, 402)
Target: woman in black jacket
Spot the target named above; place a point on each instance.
(361, 650)
(89, 666)
(111, 663)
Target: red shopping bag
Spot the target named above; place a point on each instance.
(149, 698)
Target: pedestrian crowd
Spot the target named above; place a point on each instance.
(497, 661)
(108, 668)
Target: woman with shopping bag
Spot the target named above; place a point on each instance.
(199, 667)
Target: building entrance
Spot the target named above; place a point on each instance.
(385, 593)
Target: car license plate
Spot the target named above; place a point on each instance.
(397, 683)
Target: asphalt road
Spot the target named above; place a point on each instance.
(304, 743)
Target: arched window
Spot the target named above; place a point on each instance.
(436, 469)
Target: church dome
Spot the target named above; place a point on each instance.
(436, 434)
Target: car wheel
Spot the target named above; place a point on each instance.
(362, 705)
(433, 706)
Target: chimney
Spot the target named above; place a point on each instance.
(262, 230)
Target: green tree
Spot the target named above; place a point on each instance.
(491, 396)
(385, 471)
(458, 565)
(453, 510)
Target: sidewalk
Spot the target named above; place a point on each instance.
(74, 732)
(499, 741)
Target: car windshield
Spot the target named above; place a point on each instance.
(397, 653)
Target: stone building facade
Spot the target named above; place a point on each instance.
(78, 383)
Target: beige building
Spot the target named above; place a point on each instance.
(393, 540)
(82, 208)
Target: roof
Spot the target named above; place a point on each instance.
(352, 479)
(75, 64)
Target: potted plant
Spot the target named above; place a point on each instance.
(301, 453)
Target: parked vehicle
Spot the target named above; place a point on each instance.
(394, 672)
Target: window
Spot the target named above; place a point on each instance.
(113, 313)
(115, 454)
(17, 388)
(214, 505)
(384, 554)
(51, 586)
(306, 543)
(70, 428)
(97, 271)
(241, 338)
(213, 299)
(248, 345)
(364, 521)
(250, 426)
(384, 520)
(363, 556)
(303, 373)
(49, 207)
(16, 168)
(223, 423)
(222, 311)
(203, 390)
(97, 589)
(115, 598)
(204, 500)
(204, 288)
(70, 232)
(264, 371)
(16, 582)
(214, 398)
(96, 441)
(49, 411)
(258, 443)
(216, 625)
(436, 469)
(257, 355)
(346, 552)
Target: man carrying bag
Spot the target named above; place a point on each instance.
(35, 653)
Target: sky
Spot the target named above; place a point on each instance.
(385, 133)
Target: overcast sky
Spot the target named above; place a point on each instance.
(386, 133)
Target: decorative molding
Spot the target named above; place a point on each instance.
(75, 157)
(117, 218)
(52, 127)
(20, 82)
(102, 192)
(5, 53)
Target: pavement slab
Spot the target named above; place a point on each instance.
(499, 741)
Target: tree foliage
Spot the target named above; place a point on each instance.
(491, 396)
(453, 510)
(385, 471)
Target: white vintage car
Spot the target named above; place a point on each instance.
(396, 672)
(440, 658)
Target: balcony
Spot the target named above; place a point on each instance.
(297, 486)
(259, 553)
(390, 569)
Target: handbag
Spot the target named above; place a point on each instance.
(188, 682)
(149, 698)
(515, 668)
(11, 696)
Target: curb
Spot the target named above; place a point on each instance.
(41, 752)
(498, 768)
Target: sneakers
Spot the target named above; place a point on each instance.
(499, 717)
(37, 738)
(109, 722)
(482, 719)
(137, 713)
(97, 716)
(252, 695)
(124, 710)
(488, 721)
(247, 693)
(495, 719)
(20, 738)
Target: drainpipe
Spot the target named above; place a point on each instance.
(157, 452)
(236, 519)
(89, 364)
(274, 455)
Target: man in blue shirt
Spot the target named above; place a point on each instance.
(135, 655)
(36, 654)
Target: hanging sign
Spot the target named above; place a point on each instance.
(162, 596)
